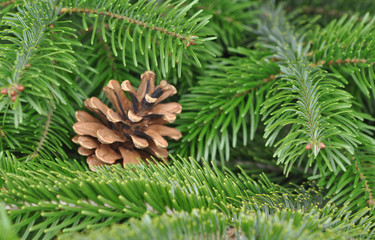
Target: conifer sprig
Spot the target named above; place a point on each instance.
(309, 101)
(161, 33)
(340, 125)
(350, 49)
(219, 113)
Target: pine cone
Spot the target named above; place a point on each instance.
(135, 130)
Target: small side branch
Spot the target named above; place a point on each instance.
(44, 136)
(371, 201)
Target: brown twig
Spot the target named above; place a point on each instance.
(340, 61)
(4, 4)
(371, 201)
(325, 12)
(324, 62)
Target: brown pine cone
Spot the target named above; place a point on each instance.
(135, 130)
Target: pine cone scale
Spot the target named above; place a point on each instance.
(119, 98)
(87, 128)
(108, 136)
(157, 93)
(89, 106)
(98, 107)
(106, 154)
(85, 152)
(147, 84)
(112, 98)
(139, 142)
(133, 117)
(129, 156)
(114, 117)
(169, 117)
(87, 142)
(93, 162)
(158, 140)
(166, 131)
(83, 116)
(168, 90)
(156, 151)
(173, 108)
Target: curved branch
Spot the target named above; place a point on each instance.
(44, 136)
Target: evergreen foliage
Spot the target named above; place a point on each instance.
(50, 196)
(212, 225)
(277, 119)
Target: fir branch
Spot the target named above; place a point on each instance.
(324, 62)
(210, 224)
(216, 113)
(33, 45)
(28, 49)
(231, 19)
(353, 44)
(301, 93)
(310, 71)
(113, 195)
(175, 40)
(291, 49)
(189, 40)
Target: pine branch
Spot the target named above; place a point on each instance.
(305, 94)
(32, 55)
(231, 19)
(148, 22)
(216, 113)
(103, 195)
(210, 224)
(98, 65)
(358, 134)
(55, 53)
(189, 40)
(353, 44)
(47, 198)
